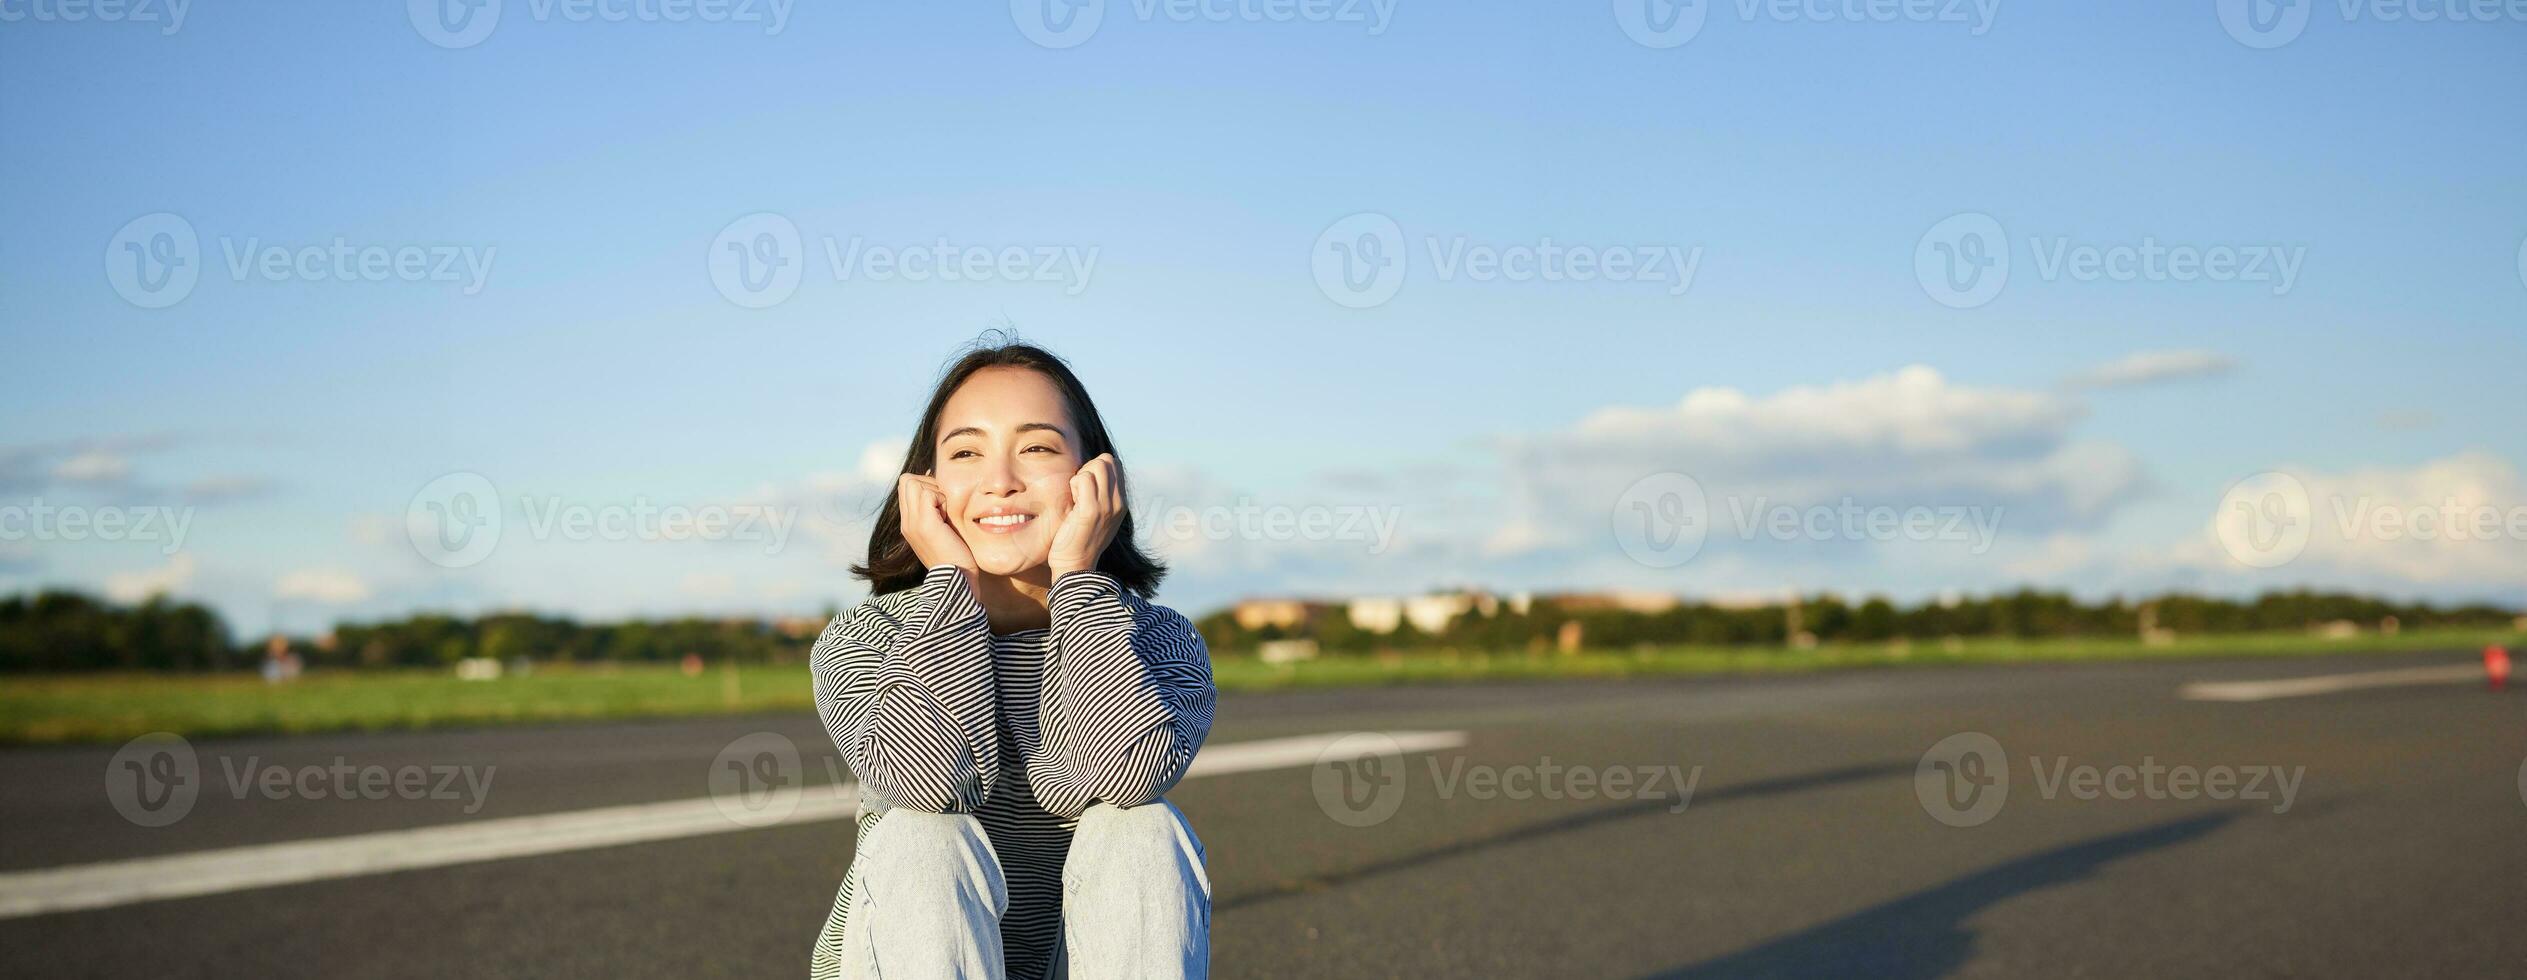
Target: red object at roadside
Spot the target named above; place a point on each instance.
(2496, 666)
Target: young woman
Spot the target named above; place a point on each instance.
(1014, 706)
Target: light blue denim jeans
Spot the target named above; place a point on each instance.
(1136, 898)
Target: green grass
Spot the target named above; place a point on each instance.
(114, 707)
(1450, 666)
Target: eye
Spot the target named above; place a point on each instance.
(1040, 448)
(960, 454)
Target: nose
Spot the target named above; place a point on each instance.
(998, 478)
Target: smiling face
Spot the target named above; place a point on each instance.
(1007, 449)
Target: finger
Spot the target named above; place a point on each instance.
(1096, 487)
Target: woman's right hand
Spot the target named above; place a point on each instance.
(922, 510)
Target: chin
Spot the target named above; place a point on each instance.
(1006, 564)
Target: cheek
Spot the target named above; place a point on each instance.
(955, 494)
(1053, 486)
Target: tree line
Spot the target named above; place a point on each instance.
(57, 631)
(2024, 614)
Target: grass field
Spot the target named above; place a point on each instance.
(114, 707)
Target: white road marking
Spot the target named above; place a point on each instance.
(2296, 687)
(111, 883)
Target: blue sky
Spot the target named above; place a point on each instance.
(592, 166)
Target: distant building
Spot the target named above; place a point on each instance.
(1428, 613)
(1634, 602)
(799, 627)
(1255, 614)
(1286, 651)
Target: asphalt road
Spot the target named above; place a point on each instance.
(2375, 832)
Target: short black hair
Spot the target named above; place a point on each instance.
(893, 567)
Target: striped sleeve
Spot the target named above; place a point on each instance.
(1128, 699)
(907, 691)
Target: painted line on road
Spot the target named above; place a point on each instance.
(2299, 687)
(111, 883)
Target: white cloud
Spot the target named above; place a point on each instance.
(2458, 522)
(93, 466)
(1543, 517)
(324, 585)
(2149, 367)
(138, 586)
(1907, 439)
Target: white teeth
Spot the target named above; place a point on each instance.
(1006, 520)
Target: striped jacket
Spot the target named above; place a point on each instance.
(1024, 730)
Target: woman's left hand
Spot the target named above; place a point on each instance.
(1096, 509)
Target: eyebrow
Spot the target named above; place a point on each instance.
(1022, 427)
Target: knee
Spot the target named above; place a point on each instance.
(1150, 825)
(1154, 835)
(909, 847)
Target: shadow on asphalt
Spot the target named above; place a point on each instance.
(1578, 821)
(1924, 935)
